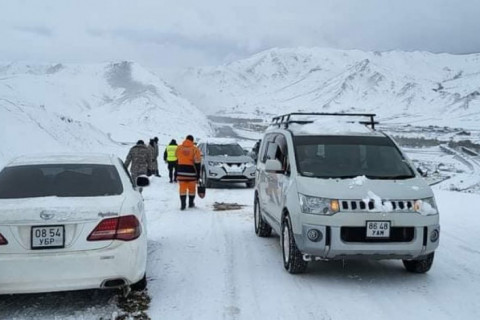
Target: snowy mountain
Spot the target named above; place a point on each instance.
(89, 107)
(416, 86)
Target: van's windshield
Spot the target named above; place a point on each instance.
(350, 156)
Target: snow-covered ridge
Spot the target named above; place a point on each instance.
(98, 107)
(433, 88)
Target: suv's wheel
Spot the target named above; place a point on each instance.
(292, 257)
(206, 181)
(420, 265)
(140, 285)
(262, 228)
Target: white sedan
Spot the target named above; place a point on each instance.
(71, 222)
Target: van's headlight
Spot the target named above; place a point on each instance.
(315, 205)
(426, 207)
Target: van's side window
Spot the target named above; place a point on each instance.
(282, 151)
(266, 152)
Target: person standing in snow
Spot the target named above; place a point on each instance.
(170, 157)
(151, 148)
(156, 157)
(188, 171)
(141, 160)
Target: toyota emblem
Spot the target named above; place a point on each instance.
(46, 216)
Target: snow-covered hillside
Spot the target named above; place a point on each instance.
(433, 88)
(88, 108)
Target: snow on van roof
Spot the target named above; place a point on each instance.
(219, 141)
(329, 127)
(91, 158)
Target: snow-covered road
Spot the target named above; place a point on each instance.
(206, 264)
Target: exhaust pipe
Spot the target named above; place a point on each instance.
(114, 283)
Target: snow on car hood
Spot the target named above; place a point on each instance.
(59, 209)
(363, 188)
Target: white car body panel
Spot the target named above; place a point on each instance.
(81, 264)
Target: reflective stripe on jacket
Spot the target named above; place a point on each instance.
(189, 158)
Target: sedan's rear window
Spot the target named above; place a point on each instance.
(61, 180)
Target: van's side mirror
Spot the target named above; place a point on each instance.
(274, 166)
(143, 181)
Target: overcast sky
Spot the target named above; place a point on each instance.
(181, 33)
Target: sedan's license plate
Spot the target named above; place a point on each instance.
(48, 237)
(378, 229)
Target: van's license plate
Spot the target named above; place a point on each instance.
(48, 237)
(378, 229)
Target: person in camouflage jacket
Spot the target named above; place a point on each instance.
(141, 159)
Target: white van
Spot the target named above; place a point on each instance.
(333, 187)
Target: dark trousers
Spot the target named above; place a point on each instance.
(172, 170)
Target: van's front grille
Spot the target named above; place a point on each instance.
(371, 205)
(358, 234)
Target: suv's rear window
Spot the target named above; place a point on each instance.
(232, 150)
(61, 180)
(350, 156)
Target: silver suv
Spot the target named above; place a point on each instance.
(335, 189)
(224, 160)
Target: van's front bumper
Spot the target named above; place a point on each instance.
(330, 244)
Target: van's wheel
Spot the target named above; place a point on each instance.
(206, 181)
(140, 285)
(262, 228)
(420, 265)
(292, 257)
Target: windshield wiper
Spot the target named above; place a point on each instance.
(399, 177)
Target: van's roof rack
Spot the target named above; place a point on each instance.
(286, 119)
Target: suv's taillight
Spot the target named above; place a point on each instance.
(3, 240)
(124, 228)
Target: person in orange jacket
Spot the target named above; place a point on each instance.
(188, 171)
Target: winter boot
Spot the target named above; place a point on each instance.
(157, 173)
(183, 201)
(191, 204)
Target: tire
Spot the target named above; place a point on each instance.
(251, 184)
(262, 228)
(292, 257)
(420, 265)
(140, 285)
(206, 181)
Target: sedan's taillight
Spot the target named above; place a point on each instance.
(3, 240)
(124, 228)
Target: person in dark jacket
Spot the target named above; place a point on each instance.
(140, 158)
(156, 157)
(153, 152)
(170, 157)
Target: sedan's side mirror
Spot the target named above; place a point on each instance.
(274, 166)
(422, 173)
(143, 181)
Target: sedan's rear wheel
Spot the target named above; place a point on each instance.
(292, 257)
(140, 285)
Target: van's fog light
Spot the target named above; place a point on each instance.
(434, 235)
(314, 235)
